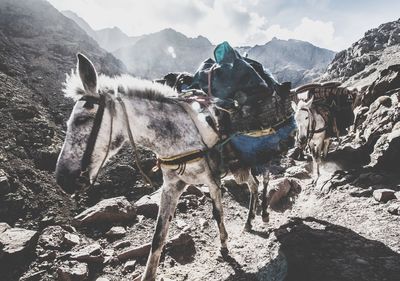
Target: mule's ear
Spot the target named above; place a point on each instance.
(294, 106)
(309, 103)
(88, 74)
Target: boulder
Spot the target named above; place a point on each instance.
(73, 271)
(112, 210)
(52, 237)
(116, 231)
(383, 195)
(387, 150)
(148, 205)
(280, 192)
(17, 241)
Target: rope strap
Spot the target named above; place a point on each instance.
(133, 144)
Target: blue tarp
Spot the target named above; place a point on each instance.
(258, 150)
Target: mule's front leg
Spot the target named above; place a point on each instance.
(265, 198)
(253, 187)
(218, 213)
(169, 199)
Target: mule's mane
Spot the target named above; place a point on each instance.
(126, 85)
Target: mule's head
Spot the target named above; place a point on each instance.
(302, 117)
(90, 138)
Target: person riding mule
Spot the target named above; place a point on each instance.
(112, 111)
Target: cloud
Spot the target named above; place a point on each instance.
(241, 22)
(317, 32)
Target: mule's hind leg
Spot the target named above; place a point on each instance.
(252, 184)
(169, 198)
(326, 144)
(265, 199)
(218, 213)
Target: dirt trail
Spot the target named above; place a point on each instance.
(323, 237)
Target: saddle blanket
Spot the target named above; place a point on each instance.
(255, 150)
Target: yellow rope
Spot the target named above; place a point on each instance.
(175, 157)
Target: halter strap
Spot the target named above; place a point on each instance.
(312, 124)
(87, 155)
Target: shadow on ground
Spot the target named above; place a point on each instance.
(312, 249)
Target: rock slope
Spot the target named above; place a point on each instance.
(362, 63)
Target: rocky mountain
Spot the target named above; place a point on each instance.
(154, 55)
(372, 67)
(291, 60)
(38, 47)
(362, 63)
(109, 39)
(157, 54)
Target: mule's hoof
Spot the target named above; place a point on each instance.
(224, 251)
(247, 227)
(265, 218)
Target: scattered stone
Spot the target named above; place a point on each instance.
(102, 279)
(148, 205)
(92, 253)
(38, 275)
(180, 223)
(116, 231)
(52, 237)
(17, 241)
(181, 239)
(193, 190)
(394, 209)
(4, 226)
(4, 184)
(297, 172)
(73, 271)
(383, 195)
(129, 266)
(203, 223)
(112, 210)
(71, 239)
(122, 244)
(361, 261)
(361, 193)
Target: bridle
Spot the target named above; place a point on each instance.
(312, 124)
(84, 177)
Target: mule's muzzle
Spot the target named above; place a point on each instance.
(302, 141)
(72, 181)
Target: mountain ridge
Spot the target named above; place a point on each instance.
(180, 53)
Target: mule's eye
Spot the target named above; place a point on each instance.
(88, 105)
(81, 120)
(306, 118)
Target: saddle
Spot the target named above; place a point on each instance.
(334, 102)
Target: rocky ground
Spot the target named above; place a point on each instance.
(345, 228)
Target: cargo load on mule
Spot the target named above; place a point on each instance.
(332, 101)
(260, 124)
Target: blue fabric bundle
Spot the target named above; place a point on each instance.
(258, 150)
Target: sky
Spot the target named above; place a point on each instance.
(331, 24)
